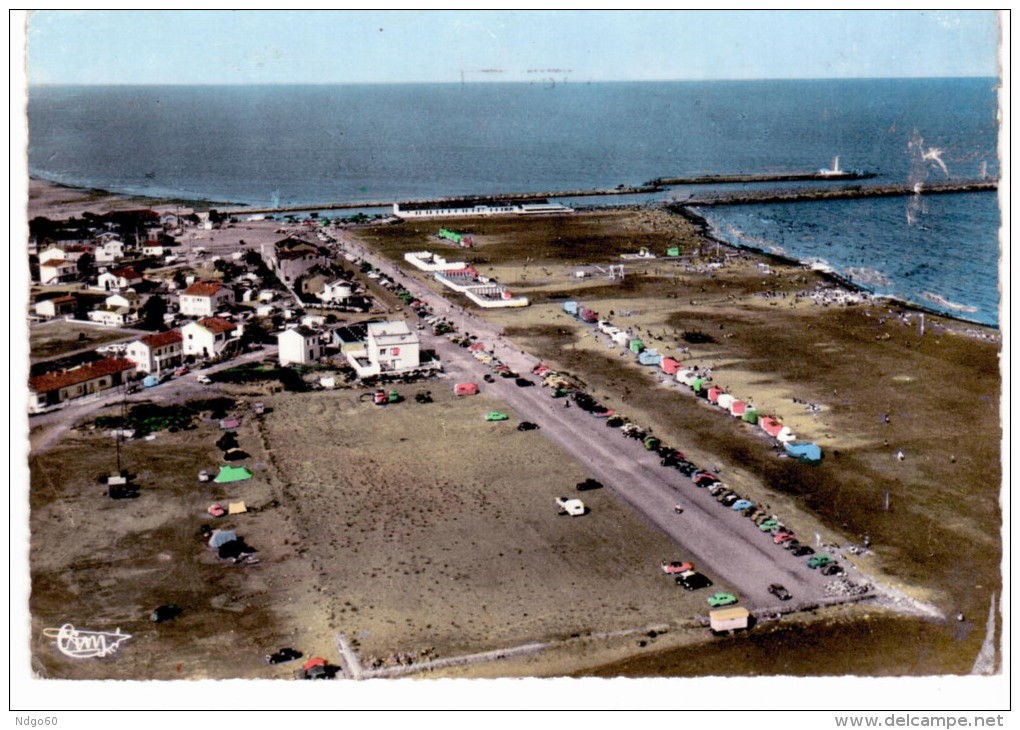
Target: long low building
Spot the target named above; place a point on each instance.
(477, 207)
(52, 389)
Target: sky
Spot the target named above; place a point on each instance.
(390, 46)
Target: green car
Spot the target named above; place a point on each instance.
(768, 525)
(721, 599)
(496, 416)
(819, 561)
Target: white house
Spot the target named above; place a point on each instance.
(299, 346)
(109, 316)
(390, 347)
(54, 388)
(209, 337)
(110, 250)
(204, 298)
(157, 352)
(57, 271)
(121, 278)
(56, 307)
(336, 292)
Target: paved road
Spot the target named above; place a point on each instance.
(721, 542)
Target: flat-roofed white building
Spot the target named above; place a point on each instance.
(390, 347)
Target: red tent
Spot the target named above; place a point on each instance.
(771, 426)
(476, 346)
(465, 389)
(714, 392)
(737, 407)
(315, 662)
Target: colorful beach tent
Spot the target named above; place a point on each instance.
(221, 537)
(785, 435)
(713, 393)
(725, 400)
(636, 345)
(229, 424)
(737, 408)
(751, 415)
(804, 453)
(771, 426)
(670, 366)
(649, 357)
(232, 474)
(237, 508)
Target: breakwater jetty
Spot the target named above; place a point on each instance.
(838, 176)
(739, 197)
(466, 199)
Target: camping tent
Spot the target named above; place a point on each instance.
(232, 474)
(229, 424)
(725, 400)
(771, 426)
(785, 435)
(465, 389)
(236, 508)
(221, 537)
(636, 345)
(737, 408)
(804, 453)
(235, 455)
(751, 414)
(713, 393)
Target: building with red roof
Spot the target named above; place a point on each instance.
(210, 337)
(158, 352)
(54, 388)
(205, 298)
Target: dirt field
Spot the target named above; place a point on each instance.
(60, 337)
(939, 537)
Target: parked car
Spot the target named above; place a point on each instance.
(742, 504)
(768, 525)
(730, 499)
(783, 537)
(819, 561)
(496, 416)
(804, 550)
(716, 489)
(833, 569)
(284, 655)
(780, 592)
(792, 544)
(203, 379)
(692, 581)
(676, 567)
(704, 479)
(526, 426)
(524, 382)
(588, 484)
(721, 599)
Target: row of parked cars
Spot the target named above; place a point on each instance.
(768, 523)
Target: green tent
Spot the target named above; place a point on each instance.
(673, 251)
(232, 474)
(636, 345)
(751, 415)
(698, 384)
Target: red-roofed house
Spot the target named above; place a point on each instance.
(54, 388)
(154, 353)
(56, 307)
(56, 271)
(209, 337)
(204, 298)
(120, 278)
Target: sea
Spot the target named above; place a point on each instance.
(316, 145)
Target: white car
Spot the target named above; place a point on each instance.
(203, 379)
(572, 507)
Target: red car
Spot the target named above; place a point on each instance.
(783, 537)
(676, 567)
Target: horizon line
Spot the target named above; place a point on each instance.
(528, 82)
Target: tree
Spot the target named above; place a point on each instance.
(152, 313)
(86, 266)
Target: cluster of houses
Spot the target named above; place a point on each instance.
(208, 318)
(460, 277)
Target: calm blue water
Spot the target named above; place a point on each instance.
(307, 145)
